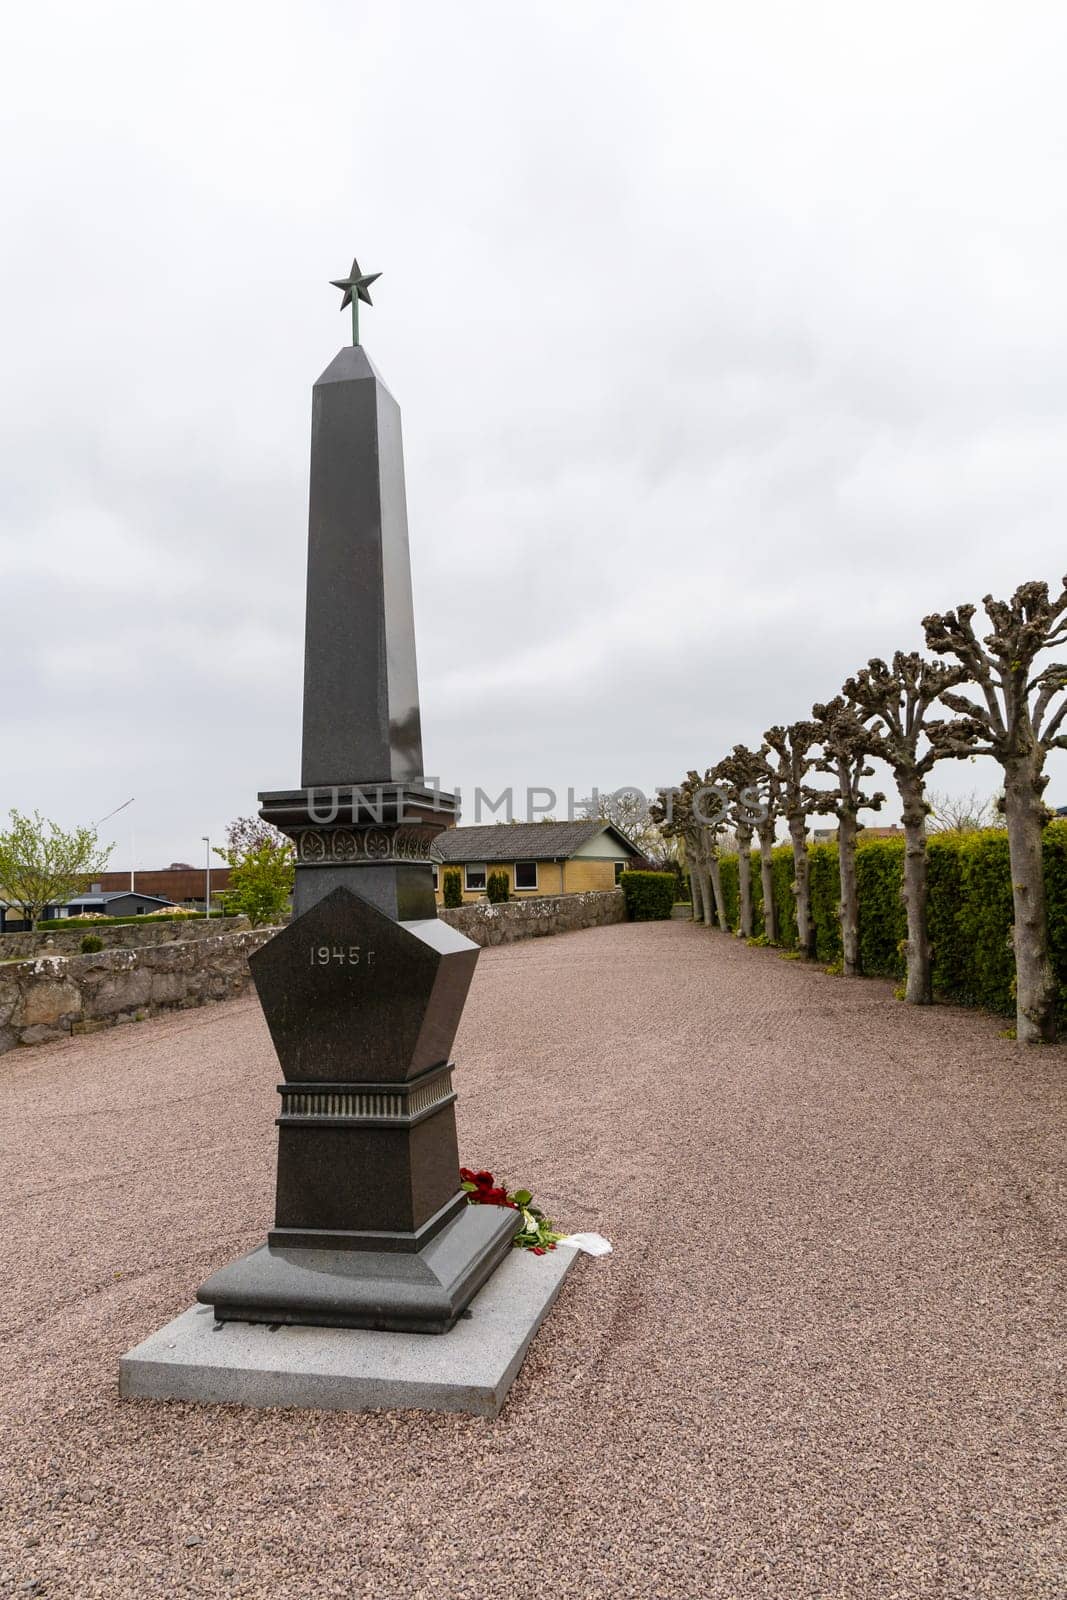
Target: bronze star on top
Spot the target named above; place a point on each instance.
(356, 288)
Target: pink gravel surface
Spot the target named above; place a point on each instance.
(822, 1361)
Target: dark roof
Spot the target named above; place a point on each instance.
(523, 841)
(115, 894)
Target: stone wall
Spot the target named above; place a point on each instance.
(527, 919)
(54, 995)
(56, 939)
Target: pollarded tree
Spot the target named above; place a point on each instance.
(738, 777)
(701, 827)
(709, 813)
(674, 824)
(1017, 717)
(769, 789)
(695, 812)
(846, 745)
(895, 702)
(41, 865)
(791, 753)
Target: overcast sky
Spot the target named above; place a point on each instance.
(730, 340)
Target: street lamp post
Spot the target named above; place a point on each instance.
(115, 813)
(207, 875)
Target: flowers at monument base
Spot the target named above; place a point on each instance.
(536, 1234)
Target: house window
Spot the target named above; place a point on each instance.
(474, 877)
(433, 866)
(620, 868)
(526, 875)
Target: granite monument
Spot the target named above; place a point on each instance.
(364, 989)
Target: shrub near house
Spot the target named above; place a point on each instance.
(649, 895)
(453, 887)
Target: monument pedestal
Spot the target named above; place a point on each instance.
(371, 1228)
(423, 1291)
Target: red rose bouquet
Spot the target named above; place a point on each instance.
(537, 1232)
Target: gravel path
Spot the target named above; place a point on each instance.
(822, 1361)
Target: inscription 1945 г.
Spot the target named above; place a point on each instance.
(350, 955)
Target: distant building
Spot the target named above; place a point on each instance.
(538, 857)
(110, 903)
(177, 884)
(113, 903)
(184, 885)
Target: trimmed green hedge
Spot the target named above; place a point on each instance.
(50, 924)
(883, 922)
(649, 895)
(731, 890)
(969, 913)
(784, 904)
(781, 877)
(825, 888)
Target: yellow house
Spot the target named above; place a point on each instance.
(538, 857)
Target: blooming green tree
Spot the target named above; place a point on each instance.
(42, 865)
(262, 865)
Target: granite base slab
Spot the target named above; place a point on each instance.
(470, 1369)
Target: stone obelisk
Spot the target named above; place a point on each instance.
(363, 991)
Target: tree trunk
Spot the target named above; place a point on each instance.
(766, 868)
(744, 880)
(1035, 984)
(715, 874)
(919, 985)
(849, 908)
(705, 894)
(801, 888)
(694, 893)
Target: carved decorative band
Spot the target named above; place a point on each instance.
(354, 1102)
(362, 846)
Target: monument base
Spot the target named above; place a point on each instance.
(422, 1292)
(469, 1370)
